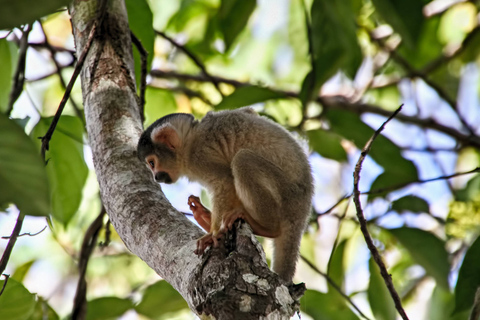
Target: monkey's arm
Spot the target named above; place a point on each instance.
(201, 214)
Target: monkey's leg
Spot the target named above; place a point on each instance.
(200, 213)
(258, 184)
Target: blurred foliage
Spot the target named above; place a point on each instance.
(328, 71)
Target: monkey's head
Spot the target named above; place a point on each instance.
(160, 144)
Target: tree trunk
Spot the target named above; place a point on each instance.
(226, 283)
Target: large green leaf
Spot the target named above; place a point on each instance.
(22, 271)
(383, 151)
(233, 17)
(405, 16)
(140, 20)
(16, 303)
(468, 278)
(159, 299)
(427, 250)
(379, 297)
(327, 144)
(7, 69)
(441, 306)
(326, 306)
(66, 168)
(107, 308)
(43, 311)
(246, 96)
(333, 42)
(410, 204)
(23, 178)
(18, 12)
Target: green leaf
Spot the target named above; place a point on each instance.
(441, 306)
(16, 303)
(336, 268)
(383, 151)
(405, 16)
(427, 250)
(468, 278)
(233, 17)
(329, 306)
(43, 311)
(411, 204)
(66, 168)
(334, 41)
(159, 299)
(18, 12)
(327, 144)
(140, 20)
(379, 297)
(246, 96)
(107, 308)
(8, 54)
(23, 178)
(22, 271)
(159, 103)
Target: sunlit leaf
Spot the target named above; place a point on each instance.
(67, 171)
(18, 12)
(159, 299)
(43, 311)
(159, 103)
(8, 54)
(233, 17)
(441, 306)
(246, 96)
(427, 250)
(379, 297)
(336, 265)
(140, 20)
(107, 308)
(468, 278)
(329, 306)
(22, 270)
(327, 144)
(23, 178)
(16, 303)
(405, 16)
(410, 204)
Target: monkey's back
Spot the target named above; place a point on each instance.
(225, 133)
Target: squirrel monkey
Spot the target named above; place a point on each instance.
(253, 168)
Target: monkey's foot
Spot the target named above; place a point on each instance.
(201, 214)
(230, 218)
(207, 241)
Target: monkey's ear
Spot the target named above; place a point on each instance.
(166, 135)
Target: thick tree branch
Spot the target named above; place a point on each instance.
(227, 282)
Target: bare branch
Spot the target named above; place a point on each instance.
(363, 222)
(11, 242)
(143, 74)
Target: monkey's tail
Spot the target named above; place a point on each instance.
(286, 252)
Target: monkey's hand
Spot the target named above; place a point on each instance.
(200, 213)
(230, 217)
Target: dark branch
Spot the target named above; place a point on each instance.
(363, 222)
(143, 74)
(11, 242)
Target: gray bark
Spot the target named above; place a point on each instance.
(230, 282)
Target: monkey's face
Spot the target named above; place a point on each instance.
(163, 171)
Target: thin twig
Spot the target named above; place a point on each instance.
(19, 77)
(345, 197)
(363, 222)
(58, 71)
(143, 74)
(5, 283)
(195, 60)
(78, 67)
(11, 242)
(28, 234)
(89, 242)
(401, 185)
(334, 285)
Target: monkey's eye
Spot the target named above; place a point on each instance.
(151, 163)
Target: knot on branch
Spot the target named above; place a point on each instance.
(234, 281)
